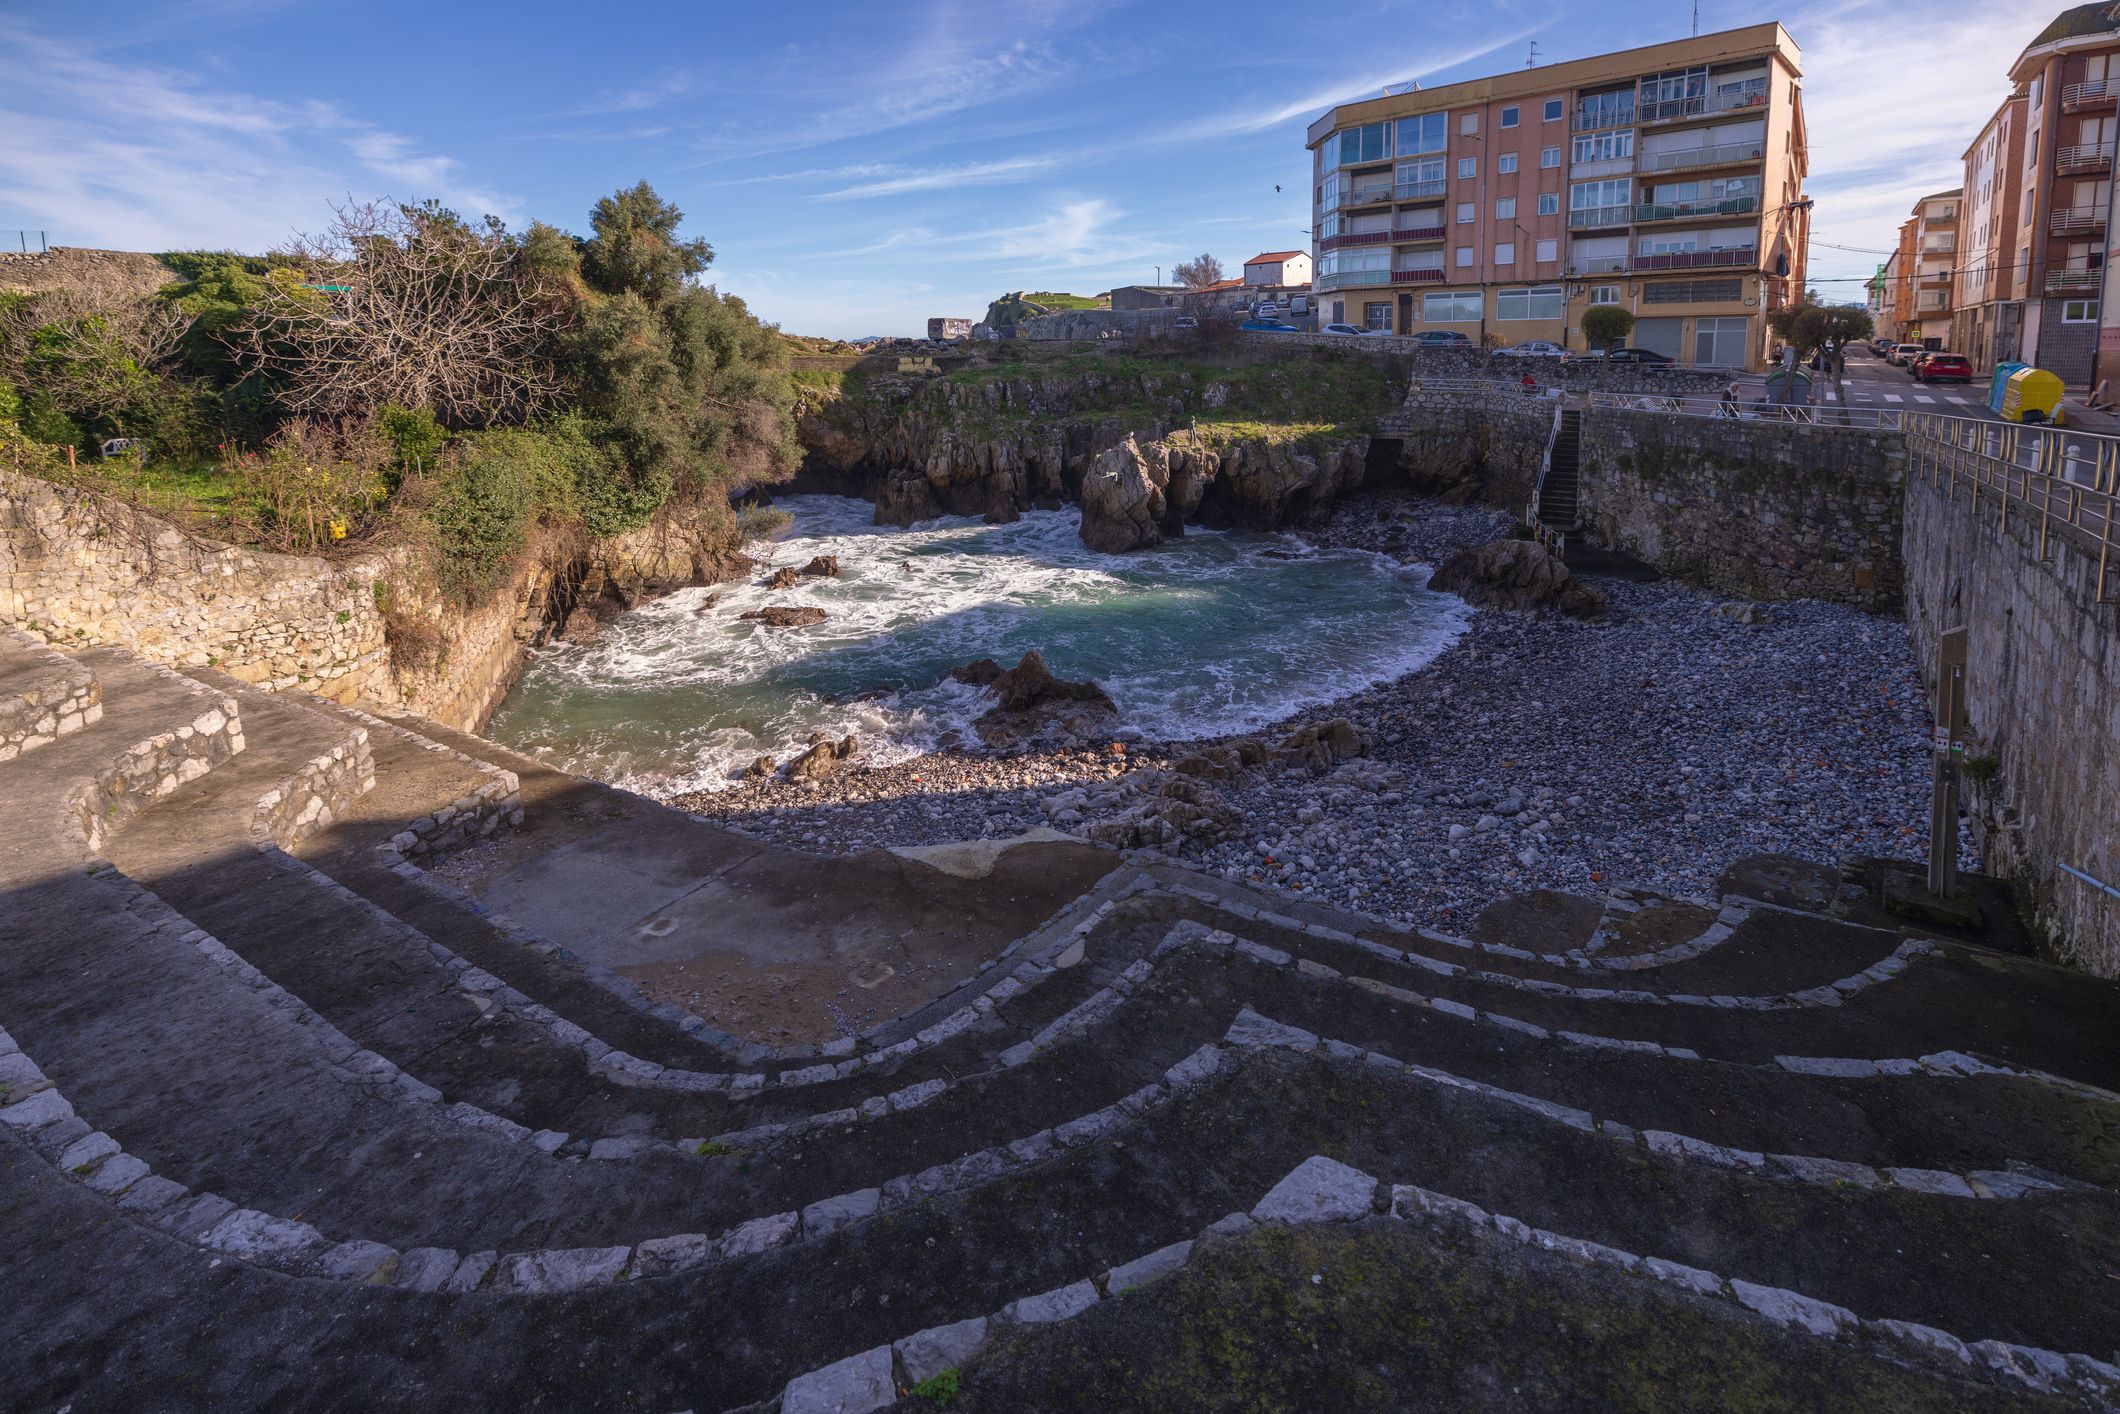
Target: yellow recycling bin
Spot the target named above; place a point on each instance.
(2032, 395)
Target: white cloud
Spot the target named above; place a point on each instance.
(890, 182)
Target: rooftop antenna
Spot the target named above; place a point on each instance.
(1696, 19)
(1531, 62)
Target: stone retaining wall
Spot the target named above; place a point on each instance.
(51, 696)
(2042, 701)
(155, 767)
(313, 796)
(1765, 510)
(1577, 375)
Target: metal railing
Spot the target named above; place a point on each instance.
(1418, 233)
(1697, 259)
(1694, 210)
(1721, 154)
(1538, 488)
(2074, 281)
(1593, 216)
(2083, 154)
(1417, 275)
(2076, 220)
(1600, 265)
(1808, 414)
(21, 241)
(1418, 191)
(2069, 481)
(2084, 95)
(1343, 279)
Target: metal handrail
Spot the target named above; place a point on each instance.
(1545, 465)
(1687, 405)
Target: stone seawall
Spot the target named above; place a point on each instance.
(1415, 360)
(2042, 702)
(1765, 510)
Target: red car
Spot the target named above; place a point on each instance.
(1945, 368)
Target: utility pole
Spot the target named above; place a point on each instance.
(1159, 277)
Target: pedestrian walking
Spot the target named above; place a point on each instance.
(1729, 398)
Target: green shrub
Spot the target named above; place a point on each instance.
(412, 433)
(940, 1386)
(481, 510)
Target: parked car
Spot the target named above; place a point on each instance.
(1185, 321)
(1633, 355)
(1946, 368)
(1267, 326)
(1901, 353)
(1881, 347)
(1535, 348)
(1441, 338)
(1266, 309)
(1339, 329)
(1914, 363)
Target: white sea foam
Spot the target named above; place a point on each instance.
(1201, 637)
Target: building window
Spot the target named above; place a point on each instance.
(1549, 157)
(1451, 307)
(1505, 208)
(1464, 256)
(1423, 134)
(2079, 311)
(1377, 316)
(1465, 212)
(1418, 179)
(1505, 253)
(1553, 110)
(1549, 203)
(1596, 196)
(1468, 166)
(1548, 251)
(1604, 147)
(1368, 143)
(1604, 294)
(1509, 117)
(1468, 123)
(1606, 110)
(1505, 163)
(1534, 302)
(1693, 291)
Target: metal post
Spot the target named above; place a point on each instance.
(1948, 745)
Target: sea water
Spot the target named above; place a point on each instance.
(1207, 635)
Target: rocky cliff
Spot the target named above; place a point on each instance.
(1255, 444)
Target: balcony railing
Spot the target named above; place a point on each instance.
(1671, 110)
(1694, 210)
(2076, 220)
(2059, 282)
(1721, 154)
(1426, 275)
(1343, 279)
(2083, 156)
(1697, 259)
(1419, 191)
(1589, 120)
(1932, 279)
(1349, 238)
(1418, 233)
(1590, 217)
(2098, 93)
(1599, 265)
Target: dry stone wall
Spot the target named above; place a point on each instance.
(2042, 702)
(43, 695)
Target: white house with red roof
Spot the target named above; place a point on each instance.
(1278, 267)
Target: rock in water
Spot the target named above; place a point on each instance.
(786, 577)
(582, 626)
(759, 769)
(823, 758)
(1030, 684)
(1123, 505)
(1520, 575)
(785, 616)
(821, 567)
(979, 672)
(1320, 746)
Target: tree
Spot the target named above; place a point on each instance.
(407, 305)
(1199, 272)
(1605, 326)
(1810, 326)
(95, 360)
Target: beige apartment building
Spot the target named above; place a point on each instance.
(1666, 179)
(1928, 262)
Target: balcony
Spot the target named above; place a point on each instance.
(1694, 210)
(1722, 154)
(1347, 279)
(2083, 157)
(1935, 279)
(2074, 282)
(1354, 238)
(1677, 110)
(1591, 217)
(1600, 265)
(1418, 233)
(1419, 191)
(2076, 220)
(1423, 276)
(2083, 97)
(1739, 256)
(1591, 120)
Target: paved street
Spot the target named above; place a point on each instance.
(1874, 383)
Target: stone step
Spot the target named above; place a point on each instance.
(43, 694)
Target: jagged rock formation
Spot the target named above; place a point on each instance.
(1137, 495)
(267, 1173)
(819, 567)
(786, 615)
(1031, 706)
(1519, 575)
(823, 758)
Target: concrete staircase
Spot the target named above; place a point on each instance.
(293, 1120)
(1560, 495)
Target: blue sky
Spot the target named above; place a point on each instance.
(860, 166)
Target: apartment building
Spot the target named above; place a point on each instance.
(1883, 296)
(1928, 259)
(1987, 311)
(2070, 76)
(1667, 179)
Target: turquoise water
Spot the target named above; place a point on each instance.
(1204, 636)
